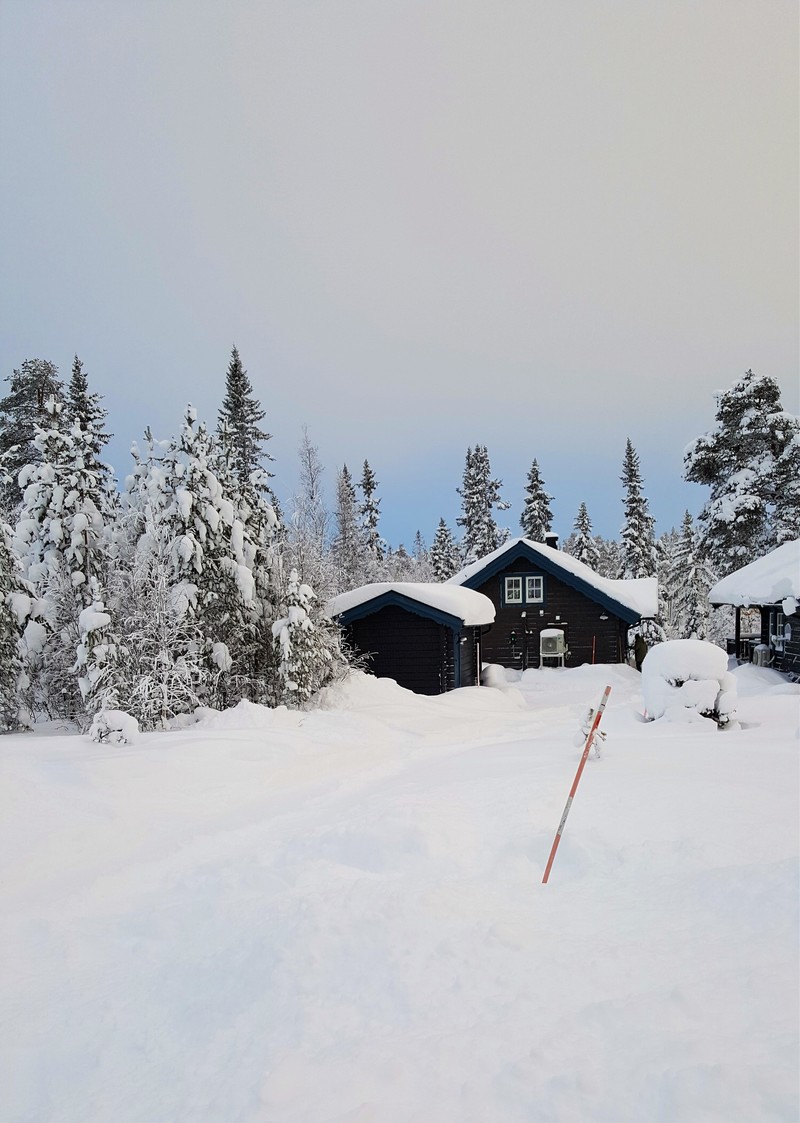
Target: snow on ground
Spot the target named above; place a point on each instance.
(338, 916)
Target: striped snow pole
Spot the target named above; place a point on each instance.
(584, 757)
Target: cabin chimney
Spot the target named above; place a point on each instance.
(551, 540)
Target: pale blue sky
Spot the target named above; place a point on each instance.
(543, 227)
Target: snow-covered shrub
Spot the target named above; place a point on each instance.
(114, 727)
(686, 679)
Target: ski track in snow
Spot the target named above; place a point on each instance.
(337, 917)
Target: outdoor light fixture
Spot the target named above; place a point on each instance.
(603, 616)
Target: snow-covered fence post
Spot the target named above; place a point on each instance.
(584, 757)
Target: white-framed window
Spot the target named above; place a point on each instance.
(523, 590)
(534, 590)
(513, 590)
(777, 629)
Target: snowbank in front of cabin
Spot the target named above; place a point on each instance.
(337, 915)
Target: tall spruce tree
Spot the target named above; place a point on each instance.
(239, 430)
(537, 517)
(480, 496)
(62, 539)
(83, 406)
(582, 543)
(369, 515)
(692, 578)
(638, 542)
(24, 407)
(307, 645)
(751, 463)
(347, 547)
(445, 557)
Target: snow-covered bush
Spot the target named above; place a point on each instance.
(114, 727)
(685, 679)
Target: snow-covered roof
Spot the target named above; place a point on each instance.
(640, 595)
(769, 580)
(471, 608)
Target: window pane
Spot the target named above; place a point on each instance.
(534, 589)
(514, 589)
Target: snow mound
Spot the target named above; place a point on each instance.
(247, 715)
(114, 727)
(687, 679)
(751, 679)
(360, 690)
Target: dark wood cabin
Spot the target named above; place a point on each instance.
(428, 648)
(532, 589)
(772, 586)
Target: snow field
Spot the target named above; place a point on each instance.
(338, 916)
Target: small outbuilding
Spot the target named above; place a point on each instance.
(425, 636)
(538, 590)
(772, 585)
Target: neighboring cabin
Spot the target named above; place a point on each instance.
(536, 587)
(425, 636)
(772, 585)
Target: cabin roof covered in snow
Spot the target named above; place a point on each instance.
(471, 608)
(637, 597)
(768, 580)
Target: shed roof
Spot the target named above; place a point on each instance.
(629, 599)
(768, 580)
(471, 608)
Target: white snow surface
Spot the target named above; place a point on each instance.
(768, 580)
(337, 916)
(639, 594)
(472, 608)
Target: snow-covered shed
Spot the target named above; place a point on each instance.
(535, 587)
(772, 585)
(426, 636)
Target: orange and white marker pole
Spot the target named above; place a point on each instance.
(584, 757)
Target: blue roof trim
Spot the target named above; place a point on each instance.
(391, 598)
(524, 552)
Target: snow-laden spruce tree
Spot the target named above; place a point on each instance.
(161, 670)
(307, 645)
(445, 554)
(197, 527)
(62, 539)
(15, 608)
(582, 543)
(480, 496)
(638, 554)
(347, 549)
(239, 428)
(83, 406)
(217, 534)
(691, 578)
(369, 517)
(536, 519)
(751, 463)
(421, 559)
(23, 409)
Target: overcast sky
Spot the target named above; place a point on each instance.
(540, 226)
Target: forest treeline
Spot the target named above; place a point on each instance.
(191, 584)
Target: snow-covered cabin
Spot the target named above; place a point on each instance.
(772, 585)
(426, 636)
(535, 587)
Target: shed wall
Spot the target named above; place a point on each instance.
(413, 650)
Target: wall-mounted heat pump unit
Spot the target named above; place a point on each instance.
(552, 645)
